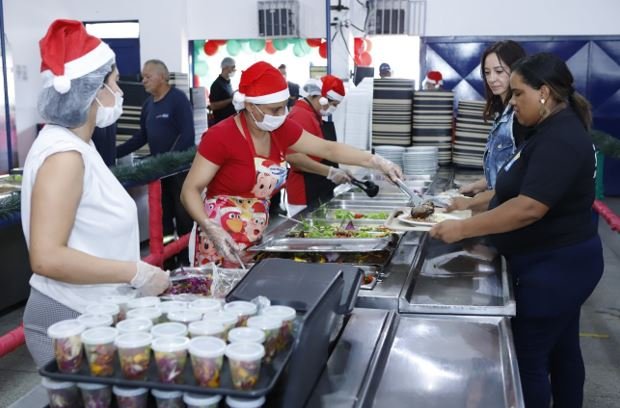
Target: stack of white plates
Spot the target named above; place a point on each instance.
(420, 160)
(392, 153)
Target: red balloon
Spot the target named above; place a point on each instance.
(365, 59)
(314, 42)
(196, 81)
(219, 42)
(269, 48)
(323, 50)
(358, 45)
(211, 48)
(368, 45)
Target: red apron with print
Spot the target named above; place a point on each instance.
(244, 218)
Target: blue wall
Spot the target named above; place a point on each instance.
(594, 62)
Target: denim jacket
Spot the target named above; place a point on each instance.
(500, 146)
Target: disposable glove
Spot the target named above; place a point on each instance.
(338, 176)
(150, 280)
(223, 242)
(390, 169)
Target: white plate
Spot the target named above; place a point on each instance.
(438, 216)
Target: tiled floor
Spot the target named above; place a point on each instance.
(600, 341)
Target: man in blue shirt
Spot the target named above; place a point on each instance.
(166, 124)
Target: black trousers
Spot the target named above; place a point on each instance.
(172, 208)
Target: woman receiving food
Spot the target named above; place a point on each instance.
(80, 225)
(240, 162)
(540, 220)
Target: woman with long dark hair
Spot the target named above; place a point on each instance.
(540, 220)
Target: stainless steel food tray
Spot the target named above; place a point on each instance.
(368, 204)
(324, 245)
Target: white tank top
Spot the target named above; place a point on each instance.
(106, 221)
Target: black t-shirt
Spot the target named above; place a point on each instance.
(220, 91)
(555, 166)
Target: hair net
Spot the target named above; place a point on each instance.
(312, 88)
(227, 62)
(71, 109)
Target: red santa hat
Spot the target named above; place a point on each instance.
(434, 77)
(261, 83)
(332, 88)
(69, 52)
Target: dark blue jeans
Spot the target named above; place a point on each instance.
(550, 288)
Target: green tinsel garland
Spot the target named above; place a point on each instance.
(142, 172)
(606, 144)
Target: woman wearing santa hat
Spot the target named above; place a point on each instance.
(80, 225)
(310, 178)
(242, 158)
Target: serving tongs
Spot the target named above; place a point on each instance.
(367, 186)
(419, 207)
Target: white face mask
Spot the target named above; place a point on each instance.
(329, 111)
(107, 115)
(270, 122)
(231, 74)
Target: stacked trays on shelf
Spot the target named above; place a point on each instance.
(199, 104)
(128, 124)
(419, 160)
(432, 121)
(391, 111)
(471, 134)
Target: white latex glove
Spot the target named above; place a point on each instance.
(223, 242)
(338, 176)
(150, 280)
(390, 169)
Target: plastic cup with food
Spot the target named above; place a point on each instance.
(201, 401)
(151, 313)
(185, 316)
(170, 358)
(67, 344)
(104, 309)
(145, 301)
(244, 359)
(95, 395)
(138, 324)
(242, 309)
(131, 397)
(61, 394)
(100, 349)
(172, 306)
(246, 334)
(90, 320)
(168, 398)
(235, 402)
(134, 353)
(270, 325)
(169, 329)
(207, 354)
(206, 306)
(121, 301)
(207, 328)
(228, 319)
(287, 315)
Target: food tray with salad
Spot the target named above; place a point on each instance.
(344, 214)
(312, 228)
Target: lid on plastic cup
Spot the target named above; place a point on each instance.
(65, 328)
(170, 329)
(103, 309)
(224, 317)
(285, 313)
(241, 308)
(206, 328)
(207, 347)
(206, 305)
(118, 299)
(152, 313)
(249, 334)
(164, 394)
(146, 301)
(172, 306)
(128, 392)
(170, 344)
(265, 322)
(138, 324)
(133, 340)
(91, 386)
(99, 335)
(185, 316)
(244, 402)
(90, 320)
(201, 400)
(245, 351)
(56, 385)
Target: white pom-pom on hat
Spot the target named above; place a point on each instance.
(238, 101)
(323, 100)
(61, 84)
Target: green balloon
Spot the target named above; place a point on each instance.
(257, 45)
(304, 45)
(280, 44)
(298, 51)
(198, 46)
(292, 40)
(233, 47)
(200, 68)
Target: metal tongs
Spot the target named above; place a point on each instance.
(367, 186)
(415, 199)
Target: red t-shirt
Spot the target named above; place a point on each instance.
(225, 146)
(307, 118)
